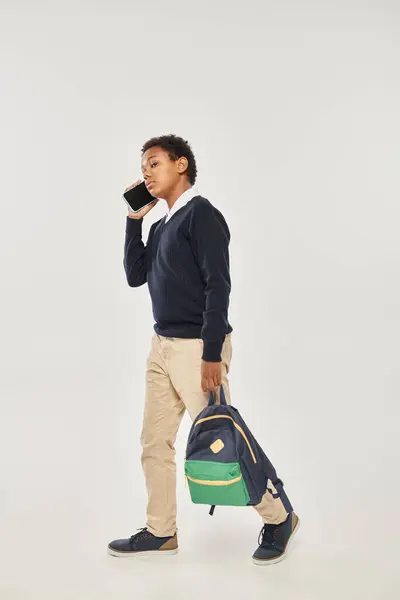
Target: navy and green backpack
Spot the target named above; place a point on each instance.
(224, 464)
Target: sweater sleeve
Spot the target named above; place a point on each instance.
(135, 259)
(210, 238)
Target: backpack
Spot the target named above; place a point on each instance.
(224, 464)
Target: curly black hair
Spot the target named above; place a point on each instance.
(176, 148)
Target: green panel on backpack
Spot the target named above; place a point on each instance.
(216, 483)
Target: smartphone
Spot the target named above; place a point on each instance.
(138, 197)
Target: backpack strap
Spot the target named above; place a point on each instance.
(280, 493)
(278, 485)
(222, 399)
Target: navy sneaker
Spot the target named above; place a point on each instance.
(274, 541)
(144, 542)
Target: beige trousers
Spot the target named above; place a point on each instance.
(173, 384)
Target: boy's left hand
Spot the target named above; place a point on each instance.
(211, 375)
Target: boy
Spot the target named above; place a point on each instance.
(186, 266)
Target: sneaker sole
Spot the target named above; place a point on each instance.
(146, 552)
(272, 561)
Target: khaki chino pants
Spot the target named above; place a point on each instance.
(173, 385)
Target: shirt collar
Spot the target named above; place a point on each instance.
(182, 201)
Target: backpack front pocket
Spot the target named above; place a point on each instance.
(216, 483)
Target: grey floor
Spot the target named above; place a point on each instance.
(64, 503)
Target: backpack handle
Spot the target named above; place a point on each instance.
(222, 399)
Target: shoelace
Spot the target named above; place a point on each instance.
(268, 534)
(143, 533)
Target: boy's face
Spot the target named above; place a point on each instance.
(161, 174)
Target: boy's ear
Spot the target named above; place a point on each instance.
(182, 164)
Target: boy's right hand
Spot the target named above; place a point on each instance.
(141, 213)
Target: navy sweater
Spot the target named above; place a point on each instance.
(186, 266)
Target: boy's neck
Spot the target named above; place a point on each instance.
(177, 192)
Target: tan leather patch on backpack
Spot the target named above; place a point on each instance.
(217, 446)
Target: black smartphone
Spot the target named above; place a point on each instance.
(138, 197)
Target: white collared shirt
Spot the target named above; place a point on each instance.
(182, 201)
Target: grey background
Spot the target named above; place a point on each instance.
(292, 112)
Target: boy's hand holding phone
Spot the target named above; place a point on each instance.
(142, 212)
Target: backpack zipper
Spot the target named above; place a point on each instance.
(237, 427)
(205, 482)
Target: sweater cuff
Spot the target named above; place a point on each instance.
(212, 351)
(133, 225)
